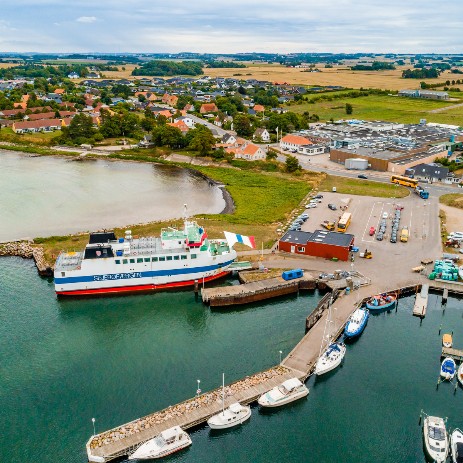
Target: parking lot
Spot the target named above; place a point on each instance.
(420, 216)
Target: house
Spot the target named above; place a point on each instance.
(261, 135)
(250, 152)
(189, 108)
(320, 243)
(48, 115)
(258, 108)
(229, 139)
(93, 75)
(208, 108)
(179, 124)
(73, 75)
(293, 142)
(311, 150)
(42, 125)
(187, 120)
(170, 100)
(59, 91)
(429, 172)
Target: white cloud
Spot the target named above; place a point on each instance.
(86, 19)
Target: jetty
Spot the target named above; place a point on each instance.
(456, 354)
(421, 302)
(255, 291)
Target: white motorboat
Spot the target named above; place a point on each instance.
(331, 353)
(435, 438)
(235, 414)
(460, 374)
(169, 441)
(456, 446)
(331, 358)
(289, 391)
(448, 369)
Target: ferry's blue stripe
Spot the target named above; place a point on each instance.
(135, 274)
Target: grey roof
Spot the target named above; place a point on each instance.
(430, 170)
(318, 236)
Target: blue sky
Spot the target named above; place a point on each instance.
(233, 26)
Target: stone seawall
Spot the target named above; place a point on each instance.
(27, 251)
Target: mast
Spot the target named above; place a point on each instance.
(223, 394)
(326, 332)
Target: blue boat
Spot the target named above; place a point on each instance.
(382, 301)
(356, 323)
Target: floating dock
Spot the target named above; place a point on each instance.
(256, 291)
(421, 302)
(456, 354)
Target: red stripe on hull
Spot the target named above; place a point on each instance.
(138, 288)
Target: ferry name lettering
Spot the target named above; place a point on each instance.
(117, 276)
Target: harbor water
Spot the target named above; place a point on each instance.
(116, 359)
(43, 196)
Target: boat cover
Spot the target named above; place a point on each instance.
(459, 454)
(448, 366)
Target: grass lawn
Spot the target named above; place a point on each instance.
(363, 187)
(384, 107)
(43, 138)
(262, 202)
(452, 199)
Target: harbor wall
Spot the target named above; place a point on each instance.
(25, 250)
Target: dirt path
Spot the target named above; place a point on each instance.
(454, 221)
(445, 108)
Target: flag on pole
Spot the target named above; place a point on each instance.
(233, 238)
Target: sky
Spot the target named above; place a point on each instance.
(233, 26)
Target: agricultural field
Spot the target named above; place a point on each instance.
(386, 108)
(341, 75)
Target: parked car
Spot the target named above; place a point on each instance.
(315, 200)
(385, 215)
(332, 207)
(372, 231)
(318, 197)
(362, 176)
(310, 205)
(379, 237)
(304, 216)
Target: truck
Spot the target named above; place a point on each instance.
(328, 225)
(421, 192)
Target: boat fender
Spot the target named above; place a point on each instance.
(78, 267)
(135, 253)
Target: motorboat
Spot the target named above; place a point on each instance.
(460, 374)
(382, 301)
(448, 368)
(233, 415)
(288, 391)
(456, 446)
(356, 323)
(447, 340)
(435, 438)
(460, 272)
(169, 441)
(331, 358)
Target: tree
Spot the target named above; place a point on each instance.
(292, 164)
(166, 135)
(271, 155)
(81, 126)
(349, 108)
(201, 140)
(242, 125)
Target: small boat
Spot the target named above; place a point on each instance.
(460, 374)
(460, 272)
(289, 391)
(435, 438)
(169, 441)
(448, 368)
(456, 446)
(331, 358)
(382, 301)
(447, 340)
(356, 323)
(235, 414)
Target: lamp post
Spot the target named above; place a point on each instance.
(93, 421)
(280, 355)
(198, 391)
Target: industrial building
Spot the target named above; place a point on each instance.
(424, 94)
(320, 243)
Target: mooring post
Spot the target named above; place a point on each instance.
(196, 287)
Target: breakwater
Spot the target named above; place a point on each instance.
(25, 250)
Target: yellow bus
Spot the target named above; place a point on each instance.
(344, 222)
(405, 181)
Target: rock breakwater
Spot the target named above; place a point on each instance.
(26, 250)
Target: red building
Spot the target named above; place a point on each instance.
(319, 243)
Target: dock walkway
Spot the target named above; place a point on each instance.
(421, 302)
(456, 354)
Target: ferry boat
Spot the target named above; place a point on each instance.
(177, 258)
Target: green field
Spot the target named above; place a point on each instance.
(384, 107)
(453, 200)
(353, 186)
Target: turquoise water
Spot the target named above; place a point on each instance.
(115, 359)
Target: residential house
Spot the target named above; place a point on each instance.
(261, 135)
(42, 125)
(429, 172)
(258, 108)
(48, 115)
(208, 108)
(187, 120)
(229, 139)
(293, 142)
(179, 124)
(93, 75)
(249, 151)
(311, 150)
(170, 100)
(73, 75)
(189, 108)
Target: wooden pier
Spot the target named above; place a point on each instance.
(125, 439)
(421, 302)
(256, 291)
(456, 354)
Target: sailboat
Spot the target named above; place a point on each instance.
(235, 414)
(331, 353)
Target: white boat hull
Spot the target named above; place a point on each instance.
(455, 439)
(288, 399)
(161, 454)
(328, 363)
(438, 450)
(215, 422)
(460, 374)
